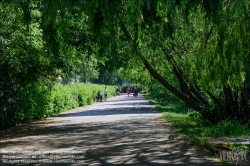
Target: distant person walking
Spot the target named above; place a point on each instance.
(136, 91)
(105, 93)
(128, 91)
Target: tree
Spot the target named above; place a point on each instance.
(200, 44)
(188, 31)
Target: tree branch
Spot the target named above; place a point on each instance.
(125, 31)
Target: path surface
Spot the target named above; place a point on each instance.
(121, 131)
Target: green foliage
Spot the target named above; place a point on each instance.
(107, 77)
(205, 42)
(24, 67)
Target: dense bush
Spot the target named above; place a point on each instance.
(43, 101)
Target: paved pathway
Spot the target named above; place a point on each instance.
(121, 131)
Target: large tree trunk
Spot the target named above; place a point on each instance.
(172, 89)
(183, 84)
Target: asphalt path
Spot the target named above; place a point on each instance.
(121, 131)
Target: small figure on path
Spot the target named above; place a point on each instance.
(136, 91)
(99, 96)
(105, 93)
(128, 91)
(118, 93)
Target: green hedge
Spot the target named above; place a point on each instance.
(65, 97)
(43, 101)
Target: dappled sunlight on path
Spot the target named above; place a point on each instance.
(121, 131)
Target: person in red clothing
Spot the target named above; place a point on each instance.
(128, 91)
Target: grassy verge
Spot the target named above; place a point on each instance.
(190, 123)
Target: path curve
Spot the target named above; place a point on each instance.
(122, 131)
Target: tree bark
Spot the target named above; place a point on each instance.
(172, 89)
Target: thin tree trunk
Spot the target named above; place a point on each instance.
(230, 94)
(227, 102)
(236, 102)
(246, 104)
(197, 94)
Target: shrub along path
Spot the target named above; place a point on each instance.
(122, 131)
